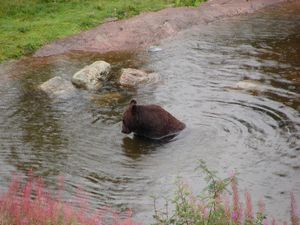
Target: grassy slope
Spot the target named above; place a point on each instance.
(26, 25)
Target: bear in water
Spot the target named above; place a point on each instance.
(150, 121)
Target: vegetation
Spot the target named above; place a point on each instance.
(31, 204)
(26, 25)
(213, 207)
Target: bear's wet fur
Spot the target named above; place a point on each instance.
(150, 121)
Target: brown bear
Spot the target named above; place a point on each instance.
(150, 121)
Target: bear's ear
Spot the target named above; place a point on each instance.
(133, 109)
(133, 102)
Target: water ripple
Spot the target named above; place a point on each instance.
(235, 84)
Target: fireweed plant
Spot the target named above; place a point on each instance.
(31, 204)
(213, 206)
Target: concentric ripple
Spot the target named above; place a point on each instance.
(235, 83)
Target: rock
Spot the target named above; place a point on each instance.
(249, 85)
(92, 76)
(107, 99)
(58, 87)
(133, 77)
(110, 19)
(154, 49)
(281, 173)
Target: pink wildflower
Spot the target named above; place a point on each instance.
(236, 203)
(261, 207)
(294, 217)
(31, 204)
(234, 216)
(227, 206)
(232, 174)
(25, 221)
(273, 221)
(206, 213)
(248, 209)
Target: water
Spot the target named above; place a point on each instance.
(235, 83)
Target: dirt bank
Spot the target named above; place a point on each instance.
(149, 28)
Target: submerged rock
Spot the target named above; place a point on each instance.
(249, 85)
(107, 99)
(58, 87)
(92, 76)
(133, 77)
(154, 49)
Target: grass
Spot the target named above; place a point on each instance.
(26, 25)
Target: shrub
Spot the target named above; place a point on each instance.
(213, 206)
(31, 204)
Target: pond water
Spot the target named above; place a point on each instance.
(235, 83)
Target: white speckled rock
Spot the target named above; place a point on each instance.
(58, 87)
(92, 76)
(133, 77)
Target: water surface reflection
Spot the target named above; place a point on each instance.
(235, 83)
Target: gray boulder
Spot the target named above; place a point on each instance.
(133, 77)
(58, 87)
(92, 76)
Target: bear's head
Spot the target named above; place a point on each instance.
(129, 118)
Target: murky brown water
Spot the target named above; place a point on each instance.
(206, 73)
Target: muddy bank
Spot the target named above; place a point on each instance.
(149, 28)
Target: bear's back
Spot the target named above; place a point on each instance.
(156, 122)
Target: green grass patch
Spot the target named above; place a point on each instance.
(26, 25)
